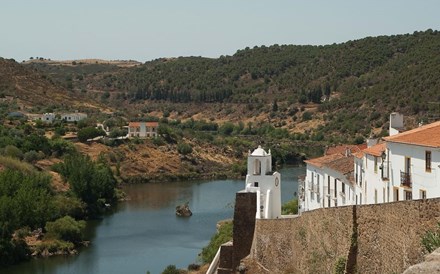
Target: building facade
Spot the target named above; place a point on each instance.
(143, 129)
(73, 117)
(403, 166)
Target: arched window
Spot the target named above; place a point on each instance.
(257, 167)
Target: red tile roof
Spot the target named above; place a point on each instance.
(151, 124)
(134, 124)
(341, 163)
(342, 148)
(375, 150)
(138, 124)
(428, 135)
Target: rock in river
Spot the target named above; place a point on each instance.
(183, 210)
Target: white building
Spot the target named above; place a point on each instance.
(73, 117)
(48, 117)
(329, 181)
(265, 183)
(371, 175)
(413, 163)
(403, 166)
(143, 129)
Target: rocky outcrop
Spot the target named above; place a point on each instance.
(183, 210)
(431, 264)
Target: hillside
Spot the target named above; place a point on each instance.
(321, 91)
(31, 91)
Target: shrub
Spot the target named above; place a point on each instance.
(89, 133)
(431, 240)
(307, 116)
(291, 207)
(184, 148)
(223, 235)
(171, 269)
(340, 265)
(66, 229)
(13, 151)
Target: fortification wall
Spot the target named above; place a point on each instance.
(383, 238)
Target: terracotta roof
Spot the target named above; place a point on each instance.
(134, 124)
(151, 124)
(337, 162)
(359, 154)
(343, 165)
(376, 150)
(340, 149)
(138, 124)
(428, 135)
(322, 161)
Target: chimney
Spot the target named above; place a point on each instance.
(396, 123)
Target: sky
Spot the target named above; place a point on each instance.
(144, 30)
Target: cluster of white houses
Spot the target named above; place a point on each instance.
(402, 166)
(68, 117)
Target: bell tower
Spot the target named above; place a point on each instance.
(265, 183)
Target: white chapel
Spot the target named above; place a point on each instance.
(265, 183)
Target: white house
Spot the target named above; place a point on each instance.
(143, 129)
(73, 117)
(403, 166)
(329, 181)
(372, 175)
(413, 163)
(267, 184)
(48, 117)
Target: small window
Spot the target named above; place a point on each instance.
(408, 195)
(428, 161)
(375, 196)
(375, 164)
(396, 194)
(343, 188)
(256, 184)
(423, 194)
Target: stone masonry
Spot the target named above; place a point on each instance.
(383, 238)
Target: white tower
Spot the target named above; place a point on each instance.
(265, 183)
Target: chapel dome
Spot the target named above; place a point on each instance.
(259, 152)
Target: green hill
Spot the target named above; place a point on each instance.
(345, 88)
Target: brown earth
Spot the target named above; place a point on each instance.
(150, 162)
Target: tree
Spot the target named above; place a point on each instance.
(92, 182)
(184, 148)
(89, 133)
(66, 229)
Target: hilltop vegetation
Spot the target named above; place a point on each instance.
(340, 90)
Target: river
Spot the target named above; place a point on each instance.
(143, 234)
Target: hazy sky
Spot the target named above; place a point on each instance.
(143, 29)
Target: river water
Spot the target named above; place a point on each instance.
(143, 234)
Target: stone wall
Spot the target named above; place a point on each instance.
(383, 238)
(308, 244)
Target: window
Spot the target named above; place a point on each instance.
(343, 188)
(428, 161)
(328, 185)
(257, 167)
(375, 164)
(375, 196)
(336, 188)
(396, 194)
(423, 194)
(408, 195)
